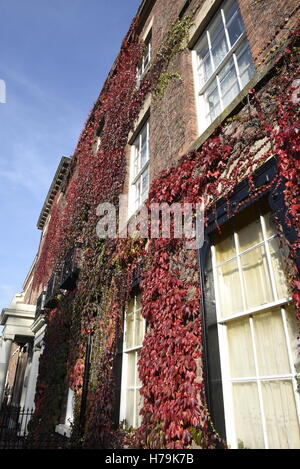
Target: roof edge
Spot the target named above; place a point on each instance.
(54, 188)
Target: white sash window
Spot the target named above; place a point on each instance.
(145, 62)
(222, 62)
(139, 187)
(257, 330)
(131, 400)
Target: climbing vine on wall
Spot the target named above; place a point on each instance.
(174, 410)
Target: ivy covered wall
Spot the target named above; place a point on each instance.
(174, 410)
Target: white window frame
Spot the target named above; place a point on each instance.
(66, 427)
(145, 63)
(281, 303)
(126, 352)
(241, 44)
(136, 196)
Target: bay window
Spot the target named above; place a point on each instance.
(222, 62)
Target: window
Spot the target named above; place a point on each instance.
(97, 140)
(67, 415)
(257, 331)
(97, 143)
(139, 170)
(145, 62)
(223, 63)
(131, 401)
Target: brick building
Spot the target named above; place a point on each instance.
(148, 343)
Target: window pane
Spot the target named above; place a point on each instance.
(129, 330)
(213, 101)
(144, 155)
(229, 83)
(246, 76)
(240, 349)
(205, 68)
(137, 193)
(136, 161)
(231, 94)
(145, 183)
(272, 355)
(139, 329)
(245, 65)
(234, 23)
(293, 330)
(258, 290)
(144, 147)
(144, 62)
(278, 268)
(147, 55)
(250, 235)
(225, 250)
(138, 381)
(131, 375)
(247, 416)
(219, 47)
(139, 406)
(130, 408)
(230, 296)
(281, 415)
(139, 74)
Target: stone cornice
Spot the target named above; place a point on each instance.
(54, 188)
(26, 312)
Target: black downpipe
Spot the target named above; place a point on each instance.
(85, 388)
(201, 263)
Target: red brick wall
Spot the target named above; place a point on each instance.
(264, 21)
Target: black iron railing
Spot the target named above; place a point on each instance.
(13, 426)
(70, 268)
(53, 288)
(64, 278)
(15, 434)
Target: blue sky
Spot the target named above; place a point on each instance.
(54, 58)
